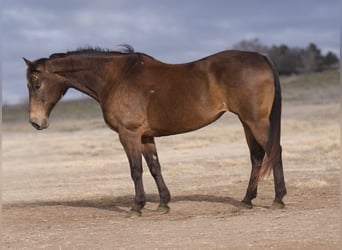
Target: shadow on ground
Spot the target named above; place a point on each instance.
(118, 203)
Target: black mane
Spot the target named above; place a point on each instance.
(96, 51)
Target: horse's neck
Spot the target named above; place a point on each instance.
(82, 74)
(87, 82)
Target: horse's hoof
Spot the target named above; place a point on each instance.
(246, 205)
(163, 209)
(278, 205)
(133, 214)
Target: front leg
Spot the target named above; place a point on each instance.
(150, 154)
(131, 141)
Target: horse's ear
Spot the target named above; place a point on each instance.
(28, 62)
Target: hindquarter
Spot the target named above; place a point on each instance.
(247, 82)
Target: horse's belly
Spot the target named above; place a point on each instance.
(176, 119)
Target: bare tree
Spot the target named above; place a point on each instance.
(287, 60)
(311, 58)
(251, 45)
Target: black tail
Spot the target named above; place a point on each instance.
(273, 149)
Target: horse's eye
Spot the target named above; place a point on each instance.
(36, 86)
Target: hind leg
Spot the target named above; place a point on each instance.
(279, 184)
(256, 134)
(256, 154)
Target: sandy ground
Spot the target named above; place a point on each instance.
(69, 187)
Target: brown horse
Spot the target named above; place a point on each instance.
(142, 98)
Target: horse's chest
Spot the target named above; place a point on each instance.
(124, 110)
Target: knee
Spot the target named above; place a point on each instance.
(155, 170)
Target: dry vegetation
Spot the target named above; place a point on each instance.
(69, 187)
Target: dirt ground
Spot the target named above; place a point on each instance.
(69, 187)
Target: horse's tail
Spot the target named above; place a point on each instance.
(273, 148)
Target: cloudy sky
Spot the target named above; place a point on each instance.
(173, 31)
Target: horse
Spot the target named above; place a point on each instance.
(142, 98)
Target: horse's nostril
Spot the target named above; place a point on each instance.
(35, 125)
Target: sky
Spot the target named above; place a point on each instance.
(172, 31)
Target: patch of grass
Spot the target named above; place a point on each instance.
(14, 113)
(76, 109)
(83, 108)
(321, 87)
(312, 80)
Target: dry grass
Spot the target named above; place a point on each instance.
(311, 183)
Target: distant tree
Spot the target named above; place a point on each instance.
(292, 60)
(311, 58)
(329, 60)
(308, 61)
(287, 60)
(251, 45)
(283, 49)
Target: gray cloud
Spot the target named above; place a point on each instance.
(172, 31)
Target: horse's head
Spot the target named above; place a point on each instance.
(45, 90)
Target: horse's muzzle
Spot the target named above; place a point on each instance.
(39, 125)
